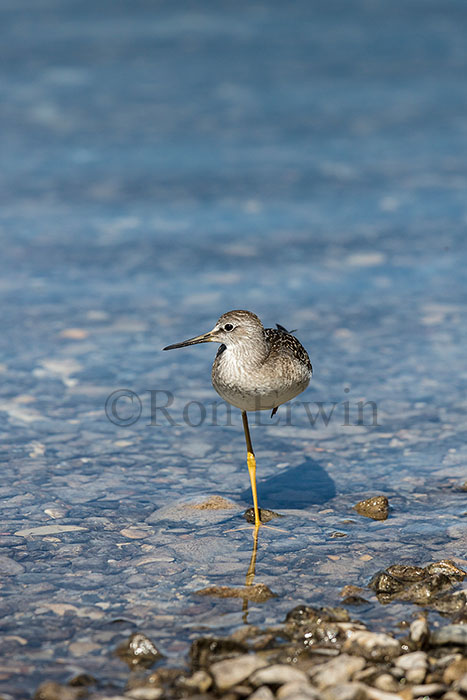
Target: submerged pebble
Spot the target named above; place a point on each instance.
(450, 634)
(257, 592)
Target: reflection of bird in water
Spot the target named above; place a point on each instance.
(250, 575)
(255, 369)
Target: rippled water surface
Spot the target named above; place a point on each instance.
(162, 164)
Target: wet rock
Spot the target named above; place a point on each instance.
(351, 595)
(355, 600)
(419, 632)
(452, 604)
(384, 583)
(324, 626)
(455, 670)
(338, 670)
(423, 586)
(372, 646)
(303, 614)
(257, 592)
(415, 666)
(426, 592)
(234, 671)
(207, 650)
(138, 650)
(55, 691)
(325, 634)
(447, 568)
(376, 507)
(404, 572)
(82, 680)
(450, 634)
(350, 590)
(278, 674)
(264, 515)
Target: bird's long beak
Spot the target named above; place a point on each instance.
(205, 338)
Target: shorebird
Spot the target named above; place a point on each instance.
(255, 369)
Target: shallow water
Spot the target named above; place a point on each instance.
(161, 166)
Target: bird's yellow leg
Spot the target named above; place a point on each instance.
(251, 462)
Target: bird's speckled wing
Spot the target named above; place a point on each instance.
(280, 340)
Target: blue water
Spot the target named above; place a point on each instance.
(163, 163)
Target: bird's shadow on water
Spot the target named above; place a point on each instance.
(296, 487)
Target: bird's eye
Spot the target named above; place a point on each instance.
(228, 327)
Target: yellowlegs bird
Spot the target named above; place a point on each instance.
(255, 369)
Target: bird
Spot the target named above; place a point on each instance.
(255, 369)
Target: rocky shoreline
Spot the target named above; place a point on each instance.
(315, 654)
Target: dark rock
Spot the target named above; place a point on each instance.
(264, 515)
(376, 507)
(55, 691)
(303, 614)
(382, 582)
(138, 650)
(207, 650)
(423, 586)
(82, 680)
(447, 568)
(355, 600)
(403, 572)
(257, 592)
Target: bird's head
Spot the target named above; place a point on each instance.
(233, 328)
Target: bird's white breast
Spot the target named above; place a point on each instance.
(252, 386)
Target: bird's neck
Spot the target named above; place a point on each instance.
(251, 352)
